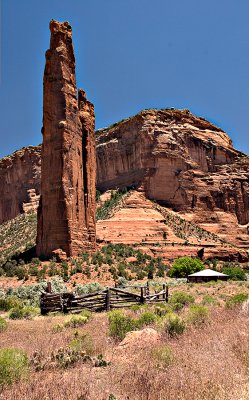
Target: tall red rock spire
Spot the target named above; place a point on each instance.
(66, 214)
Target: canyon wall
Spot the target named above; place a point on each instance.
(180, 160)
(20, 175)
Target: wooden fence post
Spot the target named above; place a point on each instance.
(147, 289)
(142, 295)
(49, 287)
(108, 300)
(164, 294)
(167, 294)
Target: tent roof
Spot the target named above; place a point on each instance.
(208, 272)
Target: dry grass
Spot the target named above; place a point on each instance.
(208, 363)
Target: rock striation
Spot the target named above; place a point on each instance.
(66, 214)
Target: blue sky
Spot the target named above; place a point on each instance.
(131, 55)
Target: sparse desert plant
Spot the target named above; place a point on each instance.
(76, 321)
(163, 356)
(26, 312)
(147, 318)
(13, 365)
(180, 299)
(208, 300)
(57, 328)
(162, 309)
(8, 302)
(237, 299)
(82, 342)
(120, 324)
(3, 324)
(173, 325)
(197, 314)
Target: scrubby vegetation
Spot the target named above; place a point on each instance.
(23, 230)
(13, 365)
(105, 210)
(62, 354)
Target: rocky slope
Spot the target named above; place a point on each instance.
(183, 162)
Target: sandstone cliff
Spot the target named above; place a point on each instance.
(180, 160)
(66, 213)
(20, 182)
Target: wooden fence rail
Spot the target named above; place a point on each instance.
(105, 300)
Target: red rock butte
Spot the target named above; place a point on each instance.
(66, 213)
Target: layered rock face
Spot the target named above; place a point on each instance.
(66, 214)
(20, 175)
(182, 161)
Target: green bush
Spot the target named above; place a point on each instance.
(26, 312)
(3, 324)
(8, 302)
(208, 300)
(163, 356)
(197, 314)
(237, 299)
(173, 325)
(184, 266)
(162, 309)
(146, 318)
(13, 365)
(180, 299)
(57, 328)
(82, 342)
(75, 321)
(235, 273)
(120, 324)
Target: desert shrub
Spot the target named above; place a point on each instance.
(8, 302)
(180, 299)
(173, 325)
(86, 313)
(27, 312)
(120, 324)
(237, 299)
(162, 309)
(67, 357)
(122, 281)
(31, 294)
(13, 365)
(163, 356)
(20, 273)
(3, 324)
(88, 288)
(147, 318)
(208, 300)
(82, 342)
(235, 273)
(184, 266)
(197, 314)
(75, 321)
(57, 328)
(2, 272)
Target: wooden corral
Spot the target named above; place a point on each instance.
(105, 300)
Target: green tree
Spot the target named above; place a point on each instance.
(184, 266)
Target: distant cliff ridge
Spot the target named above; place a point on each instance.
(174, 157)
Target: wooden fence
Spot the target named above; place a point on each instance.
(105, 300)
